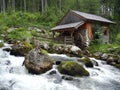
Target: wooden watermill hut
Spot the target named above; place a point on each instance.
(76, 28)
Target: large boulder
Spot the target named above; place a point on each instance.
(20, 48)
(37, 61)
(72, 68)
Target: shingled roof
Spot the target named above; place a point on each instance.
(67, 26)
(92, 17)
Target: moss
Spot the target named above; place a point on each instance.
(86, 61)
(21, 48)
(26, 47)
(44, 52)
(72, 68)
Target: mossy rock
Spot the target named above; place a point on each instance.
(86, 61)
(37, 63)
(72, 68)
(116, 65)
(21, 48)
(43, 52)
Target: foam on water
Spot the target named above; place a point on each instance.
(14, 76)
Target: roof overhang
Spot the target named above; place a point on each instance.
(68, 26)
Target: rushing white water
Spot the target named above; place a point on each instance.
(14, 76)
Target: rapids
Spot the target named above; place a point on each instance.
(14, 76)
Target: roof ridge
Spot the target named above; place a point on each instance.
(92, 16)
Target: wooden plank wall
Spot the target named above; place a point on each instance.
(69, 18)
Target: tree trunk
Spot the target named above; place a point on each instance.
(46, 5)
(60, 6)
(13, 5)
(4, 7)
(38, 6)
(42, 6)
(25, 9)
(33, 4)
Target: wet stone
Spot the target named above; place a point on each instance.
(8, 62)
(52, 72)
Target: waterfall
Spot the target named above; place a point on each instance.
(14, 76)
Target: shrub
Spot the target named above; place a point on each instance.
(117, 39)
(51, 44)
(96, 46)
(18, 34)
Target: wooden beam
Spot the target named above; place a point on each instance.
(89, 28)
(53, 34)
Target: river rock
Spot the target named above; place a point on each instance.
(113, 58)
(37, 63)
(104, 56)
(111, 50)
(69, 78)
(57, 62)
(97, 55)
(95, 63)
(53, 72)
(110, 60)
(7, 49)
(44, 45)
(87, 53)
(72, 68)
(86, 61)
(20, 48)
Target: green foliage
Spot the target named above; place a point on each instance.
(3, 28)
(96, 46)
(118, 39)
(117, 48)
(18, 34)
(25, 19)
(51, 44)
(34, 33)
